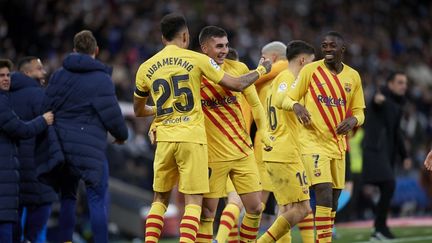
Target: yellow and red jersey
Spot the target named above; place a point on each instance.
(225, 125)
(173, 78)
(327, 97)
(262, 86)
(283, 126)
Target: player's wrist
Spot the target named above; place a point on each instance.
(261, 70)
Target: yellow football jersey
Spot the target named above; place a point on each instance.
(225, 126)
(283, 126)
(173, 78)
(262, 86)
(327, 97)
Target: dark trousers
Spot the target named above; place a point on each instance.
(6, 232)
(33, 223)
(386, 189)
(97, 199)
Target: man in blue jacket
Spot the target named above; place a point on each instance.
(12, 129)
(26, 96)
(81, 95)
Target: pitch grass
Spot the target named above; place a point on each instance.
(350, 235)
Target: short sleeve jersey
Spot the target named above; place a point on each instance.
(173, 77)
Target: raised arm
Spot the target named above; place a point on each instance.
(258, 114)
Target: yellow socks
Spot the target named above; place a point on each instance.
(205, 231)
(277, 230)
(286, 238)
(233, 236)
(323, 224)
(154, 222)
(228, 228)
(249, 227)
(306, 227)
(190, 223)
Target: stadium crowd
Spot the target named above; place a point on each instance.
(381, 36)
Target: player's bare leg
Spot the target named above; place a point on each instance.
(251, 221)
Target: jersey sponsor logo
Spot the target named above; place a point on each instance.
(214, 64)
(213, 102)
(331, 101)
(176, 120)
(348, 87)
(282, 87)
(317, 172)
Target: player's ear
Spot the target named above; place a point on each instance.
(164, 41)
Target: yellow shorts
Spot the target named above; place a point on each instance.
(264, 176)
(243, 173)
(229, 187)
(290, 182)
(322, 169)
(185, 163)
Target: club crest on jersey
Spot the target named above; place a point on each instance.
(305, 190)
(282, 87)
(214, 64)
(348, 87)
(317, 172)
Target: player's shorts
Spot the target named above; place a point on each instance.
(290, 182)
(264, 176)
(322, 169)
(243, 173)
(229, 187)
(182, 162)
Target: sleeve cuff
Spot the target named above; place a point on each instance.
(140, 93)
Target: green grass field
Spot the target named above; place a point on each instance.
(351, 235)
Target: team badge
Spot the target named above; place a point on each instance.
(317, 172)
(305, 190)
(282, 87)
(214, 64)
(348, 87)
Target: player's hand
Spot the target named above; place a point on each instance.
(346, 125)
(302, 114)
(49, 117)
(152, 135)
(268, 143)
(117, 141)
(428, 161)
(265, 63)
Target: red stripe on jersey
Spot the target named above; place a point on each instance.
(332, 91)
(323, 114)
(342, 91)
(322, 91)
(222, 129)
(227, 107)
(237, 104)
(225, 119)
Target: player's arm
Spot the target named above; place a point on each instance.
(258, 114)
(141, 95)
(296, 92)
(244, 81)
(357, 106)
(141, 108)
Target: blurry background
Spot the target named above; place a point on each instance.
(381, 36)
